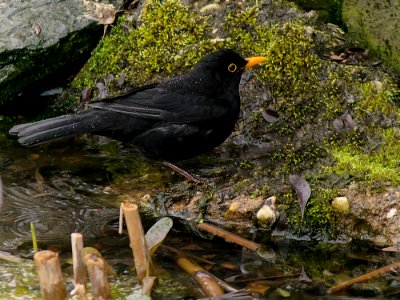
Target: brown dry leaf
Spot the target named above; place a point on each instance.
(37, 30)
(102, 13)
(336, 58)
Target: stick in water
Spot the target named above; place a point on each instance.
(50, 277)
(137, 240)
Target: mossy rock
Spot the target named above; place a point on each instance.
(337, 124)
(374, 24)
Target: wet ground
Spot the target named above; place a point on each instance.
(70, 187)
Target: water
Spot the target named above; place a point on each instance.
(76, 186)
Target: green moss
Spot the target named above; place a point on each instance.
(307, 92)
(376, 100)
(319, 214)
(377, 168)
(169, 40)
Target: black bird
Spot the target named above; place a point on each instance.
(172, 120)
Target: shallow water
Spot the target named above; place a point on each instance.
(69, 187)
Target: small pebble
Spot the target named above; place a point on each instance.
(341, 204)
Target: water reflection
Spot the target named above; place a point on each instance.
(46, 188)
(67, 204)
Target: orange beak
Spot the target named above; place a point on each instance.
(253, 61)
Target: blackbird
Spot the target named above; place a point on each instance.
(172, 120)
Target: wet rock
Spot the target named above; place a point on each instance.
(365, 290)
(40, 37)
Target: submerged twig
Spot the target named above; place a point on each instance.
(207, 282)
(229, 236)
(11, 258)
(226, 286)
(364, 277)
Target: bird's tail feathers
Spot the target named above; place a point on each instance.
(41, 132)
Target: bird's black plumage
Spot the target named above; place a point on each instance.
(173, 120)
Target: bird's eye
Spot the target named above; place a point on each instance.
(232, 68)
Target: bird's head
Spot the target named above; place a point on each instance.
(226, 64)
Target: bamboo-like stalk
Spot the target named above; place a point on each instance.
(137, 240)
(207, 282)
(50, 277)
(98, 277)
(367, 276)
(148, 283)
(229, 236)
(78, 265)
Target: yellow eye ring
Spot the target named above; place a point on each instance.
(232, 68)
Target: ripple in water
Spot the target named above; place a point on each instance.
(62, 205)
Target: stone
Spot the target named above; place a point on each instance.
(40, 37)
(375, 24)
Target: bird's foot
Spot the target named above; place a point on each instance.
(185, 174)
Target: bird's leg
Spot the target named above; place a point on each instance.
(184, 173)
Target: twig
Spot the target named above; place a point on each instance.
(148, 283)
(364, 277)
(11, 258)
(137, 240)
(207, 282)
(190, 255)
(228, 236)
(50, 277)
(226, 286)
(121, 219)
(78, 265)
(98, 277)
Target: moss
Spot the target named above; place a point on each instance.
(376, 100)
(371, 154)
(375, 169)
(169, 40)
(319, 214)
(308, 94)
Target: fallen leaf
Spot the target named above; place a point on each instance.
(86, 94)
(157, 233)
(270, 115)
(336, 58)
(103, 91)
(304, 277)
(37, 29)
(302, 189)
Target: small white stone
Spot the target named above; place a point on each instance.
(341, 204)
(391, 213)
(210, 8)
(265, 214)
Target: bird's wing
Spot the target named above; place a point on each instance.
(191, 108)
(157, 104)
